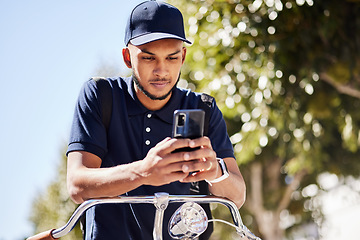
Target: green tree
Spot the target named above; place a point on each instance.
(286, 77)
(53, 208)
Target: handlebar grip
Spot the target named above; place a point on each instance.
(43, 236)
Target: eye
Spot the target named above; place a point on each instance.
(172, 58)
(148, 58)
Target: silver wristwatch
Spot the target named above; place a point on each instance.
(225, 173)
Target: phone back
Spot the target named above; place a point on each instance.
(188, 123)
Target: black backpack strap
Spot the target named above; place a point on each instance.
(105, 95)
(205, 104)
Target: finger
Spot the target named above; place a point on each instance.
(169, 178)
(180, 166)
(173, 160)
(196, 166)
(194, 177)
(185, 167)
(200, 142)
(199, 176)
(175, 143)
(202, 153)
(202, 170)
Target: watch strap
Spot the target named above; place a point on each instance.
(225, 173)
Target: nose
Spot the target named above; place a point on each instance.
(161, 69)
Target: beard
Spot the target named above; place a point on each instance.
(149, 95)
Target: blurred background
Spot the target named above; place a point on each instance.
(286, 75)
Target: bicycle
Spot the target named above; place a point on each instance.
(188, 222)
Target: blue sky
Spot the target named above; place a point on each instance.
(47, 50)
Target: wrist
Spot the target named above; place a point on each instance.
(224, 172)
(139, 173)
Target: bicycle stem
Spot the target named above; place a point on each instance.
(161, 203)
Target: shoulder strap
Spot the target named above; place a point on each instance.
(205, 104)
(105, 94)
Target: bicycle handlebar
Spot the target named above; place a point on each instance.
(160, 201)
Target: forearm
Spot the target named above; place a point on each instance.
(233, 187)
(86, 182)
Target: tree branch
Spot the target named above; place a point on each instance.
(286, 198)
(341, 88)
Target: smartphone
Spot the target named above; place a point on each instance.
(188, 123)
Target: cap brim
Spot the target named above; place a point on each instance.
(143, 39)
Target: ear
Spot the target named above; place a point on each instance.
(126, 57)
(183, 54)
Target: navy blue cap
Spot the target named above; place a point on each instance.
(154, 20)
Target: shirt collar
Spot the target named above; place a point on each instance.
(166, 113)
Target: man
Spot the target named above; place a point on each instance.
(134, 156)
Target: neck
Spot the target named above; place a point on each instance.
(150, 104)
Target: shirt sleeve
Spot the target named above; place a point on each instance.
(88, 132)
(218, 134)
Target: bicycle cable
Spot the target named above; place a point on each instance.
(223, 221)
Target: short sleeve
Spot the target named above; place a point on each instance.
(87, 130)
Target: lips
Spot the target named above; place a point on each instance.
(160, 83)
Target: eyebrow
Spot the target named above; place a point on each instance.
(150, 53)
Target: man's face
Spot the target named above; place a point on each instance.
(156, 67)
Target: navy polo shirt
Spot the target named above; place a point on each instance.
(132, 132)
